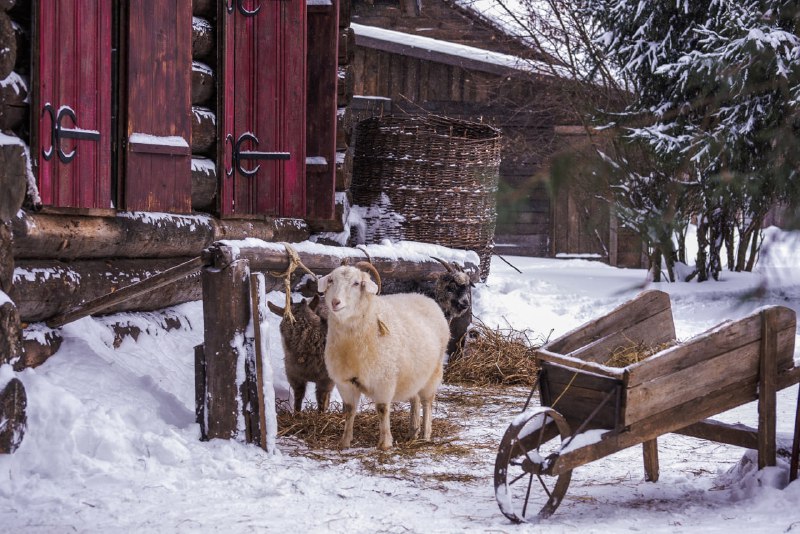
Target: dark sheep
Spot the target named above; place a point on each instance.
(304, 350)
(452, 291)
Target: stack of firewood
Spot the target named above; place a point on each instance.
(204, 123)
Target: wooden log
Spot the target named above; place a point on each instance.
(344, 128)
(14, 105)
(226, 304)
(344, 170)
(204, 184)
(8, 45)
(203, 84)
(13, 403)
(202, 38)
(120, 296)
(10, 331)
(137, 235)
(204, 131)
(44, 289)
(345, 84)
(767, 388)
(6, 258)
(37, 350)
(347, 45)
(737, 435)
(322, 259)
(203, 8)
(13, 179)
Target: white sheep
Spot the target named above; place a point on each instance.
(390, 348)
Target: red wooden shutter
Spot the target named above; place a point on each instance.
(72, 134)
(323, 44)
(159, 128)
(262, 107)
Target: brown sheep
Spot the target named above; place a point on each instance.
(304, 350)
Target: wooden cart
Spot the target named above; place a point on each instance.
(590, 410)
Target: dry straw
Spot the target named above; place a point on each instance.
(494, 357)
(634, 353)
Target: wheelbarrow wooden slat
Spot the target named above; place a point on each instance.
(665, 422)
(647, 305)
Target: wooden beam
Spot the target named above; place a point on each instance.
(226, 299)
(257, 298)
(731, 434)
(793, 465)
(132, 291)
(650, 453)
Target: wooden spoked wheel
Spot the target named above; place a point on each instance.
(522, 491)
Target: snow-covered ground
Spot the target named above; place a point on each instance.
(112, 445)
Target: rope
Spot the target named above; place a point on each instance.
(294, 263)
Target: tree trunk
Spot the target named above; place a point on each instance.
(202, 84)
(204, 131)
(44, 289)
(8, 45)
(6, 258)
(729, 247)
(13, 102)
(755, 246)
(202, 38)
(204, 184)
(655, 264)
(702, 247)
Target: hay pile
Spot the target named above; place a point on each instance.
(494, 357)
(634, 353)
(322, 431)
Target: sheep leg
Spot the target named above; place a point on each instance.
(414, 434)
(385, 431)
(299, 393)
(324, 395)
(350, 397)
(427, 425)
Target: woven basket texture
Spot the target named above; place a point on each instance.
(430, 179)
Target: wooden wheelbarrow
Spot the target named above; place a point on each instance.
(590, 410)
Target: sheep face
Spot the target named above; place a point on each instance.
(454, 294)
(345, 288)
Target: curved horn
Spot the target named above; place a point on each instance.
(366, 266)
(446, 265)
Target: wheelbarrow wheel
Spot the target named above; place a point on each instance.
(522, 491)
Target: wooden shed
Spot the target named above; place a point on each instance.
(437, 56)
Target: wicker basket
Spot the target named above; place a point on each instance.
(428, 179)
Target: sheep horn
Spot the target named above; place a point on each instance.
(364, 265)
(447, 266)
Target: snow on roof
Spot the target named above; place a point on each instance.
(443, 51)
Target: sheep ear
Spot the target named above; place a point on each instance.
(369, 285)
(322, 284)
(274, 308)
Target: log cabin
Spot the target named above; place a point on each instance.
(445, 57)
(136, 134)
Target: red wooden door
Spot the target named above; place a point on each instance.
(72, 135)
(262, 136)
(158, 115)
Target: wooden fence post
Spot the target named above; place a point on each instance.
(767, 390)
(226, 314)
